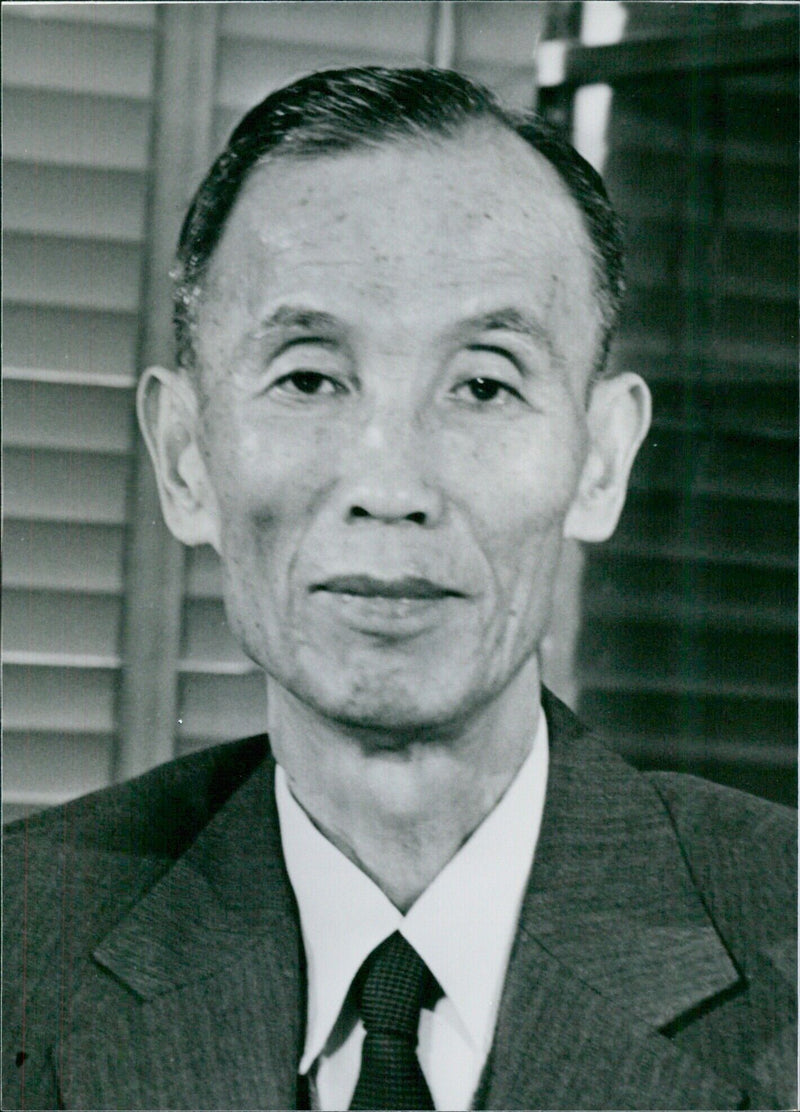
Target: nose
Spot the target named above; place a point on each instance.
(389, 474)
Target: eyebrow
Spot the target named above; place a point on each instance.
(298, 318)
(511, 320)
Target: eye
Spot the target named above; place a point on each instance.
(307, 383)
(486, 390)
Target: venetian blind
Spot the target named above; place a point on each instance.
(77, 87)
(688, 646)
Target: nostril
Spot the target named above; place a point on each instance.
(418, 517)
(358, 511)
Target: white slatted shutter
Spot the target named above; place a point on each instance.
(77, 105)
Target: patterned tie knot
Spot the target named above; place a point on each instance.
(398, 984)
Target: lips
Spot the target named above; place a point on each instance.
(367, 586)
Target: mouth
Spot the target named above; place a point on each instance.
(389, 610)
(369, 587)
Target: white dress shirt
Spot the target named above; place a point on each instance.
(463, 926)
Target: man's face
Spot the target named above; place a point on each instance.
(395, 347)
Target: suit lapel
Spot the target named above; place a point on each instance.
(197, 999)
(613, 944)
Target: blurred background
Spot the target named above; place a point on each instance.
(678, 638)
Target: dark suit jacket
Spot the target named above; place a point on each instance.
(154, 958)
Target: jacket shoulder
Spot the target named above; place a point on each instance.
(742, 853)
(88, 860)
(708, 817)
(70, 873)
(159, 812)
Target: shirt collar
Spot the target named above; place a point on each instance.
(463, 925)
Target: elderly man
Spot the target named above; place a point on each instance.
(427, 886)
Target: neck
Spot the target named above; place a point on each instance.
(401, 811)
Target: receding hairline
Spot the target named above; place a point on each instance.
(274, 161)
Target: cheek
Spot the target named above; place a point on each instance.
(521, 491)
(259, 520)
(517, 486)
(268, 478)
(522, 554)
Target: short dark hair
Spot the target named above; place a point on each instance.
(345, 109)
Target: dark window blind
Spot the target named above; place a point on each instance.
(688, 644)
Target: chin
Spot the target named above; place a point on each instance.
(385, 713)
(401, 706)
(396, 726)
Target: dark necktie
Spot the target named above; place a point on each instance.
(396, 985)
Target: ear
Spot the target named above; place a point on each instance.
(166, 404)
(618, 419)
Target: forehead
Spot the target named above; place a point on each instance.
(412, 230)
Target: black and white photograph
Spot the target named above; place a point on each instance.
(400, 554)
